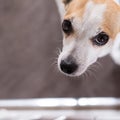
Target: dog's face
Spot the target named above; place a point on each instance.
(90, 28)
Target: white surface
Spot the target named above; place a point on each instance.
(31, 109)
(60, 102)
(81, 115)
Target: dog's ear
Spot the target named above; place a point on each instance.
(66, 2)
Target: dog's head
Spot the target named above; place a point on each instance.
(90, 28)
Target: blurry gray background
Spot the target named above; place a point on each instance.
(30, 35)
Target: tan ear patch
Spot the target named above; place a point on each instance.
(111, 23)
(77, 8)
(99, 1)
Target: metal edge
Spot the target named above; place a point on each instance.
(70, 103)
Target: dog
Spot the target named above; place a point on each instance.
(91, 30)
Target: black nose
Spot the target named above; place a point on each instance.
(68, 66)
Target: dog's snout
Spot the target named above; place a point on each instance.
(68, 66)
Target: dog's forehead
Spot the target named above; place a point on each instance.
(95, 11)
(78, 7)
(86, 18)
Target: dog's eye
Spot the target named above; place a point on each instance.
(67, 26)
(101, 39)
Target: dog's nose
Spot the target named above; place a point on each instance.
(68, 66)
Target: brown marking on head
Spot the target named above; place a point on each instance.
(110, 25)
(75, 8)
(111, 22)
(99, 1)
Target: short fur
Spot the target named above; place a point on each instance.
(90, 17)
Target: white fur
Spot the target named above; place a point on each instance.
(117, 1)
(60, 6)
(80, 46)
(115, 54)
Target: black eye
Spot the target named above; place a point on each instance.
(101, 39)
(67, 26)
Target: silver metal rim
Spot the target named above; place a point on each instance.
(57, 103)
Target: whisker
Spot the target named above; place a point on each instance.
(92, 73)
(97, 65)
(58, 51)
(84, 75)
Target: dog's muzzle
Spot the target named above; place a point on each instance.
(68, 66)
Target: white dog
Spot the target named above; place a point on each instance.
(91, 30)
